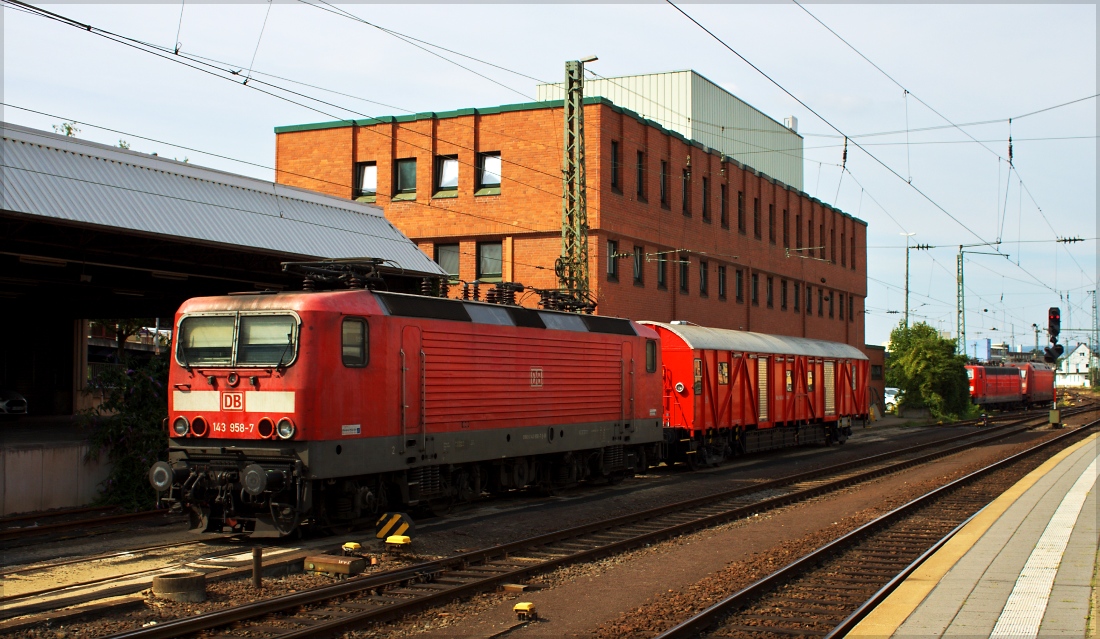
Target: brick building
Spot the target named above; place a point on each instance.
(678, 231)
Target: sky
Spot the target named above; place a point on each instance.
(930, 171)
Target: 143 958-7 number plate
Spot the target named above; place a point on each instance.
(232, 427)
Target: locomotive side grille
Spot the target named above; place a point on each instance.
(428, 480)
(830, 388)
(614, 458)
(762, 388)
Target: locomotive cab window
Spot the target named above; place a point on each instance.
(651, 356)
(354, 349)
(207, 341)
(266, 340)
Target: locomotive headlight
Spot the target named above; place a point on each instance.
(285, 428)
(180, 426)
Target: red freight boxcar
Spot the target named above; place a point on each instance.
(328, 407)
(1036, 382)
(728, 392)
(994, 385)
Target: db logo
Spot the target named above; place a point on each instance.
(233, 401)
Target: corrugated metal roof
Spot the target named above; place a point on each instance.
(53, 176)
(720, 339)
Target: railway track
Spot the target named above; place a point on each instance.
(828, 591)
(355, 602)
(108, 517)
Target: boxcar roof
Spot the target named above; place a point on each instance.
(719, 339)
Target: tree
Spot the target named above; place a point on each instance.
(67, 129)
(128, 426)
(928, 372)
(124, 329)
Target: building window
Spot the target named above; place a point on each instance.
(703, 272)
(798, 231)
(810, 245)
(786, 229)
(843, 249)
(739, 285)
(797, 295)
(664, 184)
(488, 173)
(366, 179)
(446, 173)
(820, 302)
(639, 170)
(721, 282)
(756, 222)
(842, 306)
(706, 200)
(821, 251)
(724, 205)
(741, 212)
(662, 271)
(406, 176)
(771, 223)
(615, 183)
(612, 260)
(783, 295)
(851, 309)
(684, 264)
(489, 262)
(853, 251)
(639, 263)
(832, 245)
(755, 292)
(685, 181)
(876, 372)
(809, 300)
(353, 342)
(768, 292)
(446, 256)
(832, 296)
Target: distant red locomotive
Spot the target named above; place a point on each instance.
(1024, 384)
(327, 407)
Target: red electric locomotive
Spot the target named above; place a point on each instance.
(328, 407)
(1024, 384)
(730, 392)
(995, 385)
(1036, 383)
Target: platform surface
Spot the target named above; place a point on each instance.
(1022, 568)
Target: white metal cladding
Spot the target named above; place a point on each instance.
(53, 176)
(720, 339)
(830, 388)
(700, 110)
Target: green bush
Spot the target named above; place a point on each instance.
(929, 372)
(128, 426)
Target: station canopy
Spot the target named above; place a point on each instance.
(92, 230)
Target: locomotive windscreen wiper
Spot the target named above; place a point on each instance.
(289, 342)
